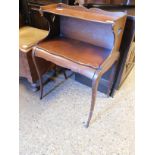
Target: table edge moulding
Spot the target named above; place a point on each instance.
(86, 41)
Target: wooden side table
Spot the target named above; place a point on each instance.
(87, 41)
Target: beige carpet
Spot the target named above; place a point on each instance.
(54, 125)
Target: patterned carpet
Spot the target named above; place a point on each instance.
(54, 125)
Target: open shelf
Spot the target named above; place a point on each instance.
(76, 51)
(82, 13)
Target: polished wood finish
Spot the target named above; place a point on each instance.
(79, 43)
(93, 56)
(78, 12)
(126, 61)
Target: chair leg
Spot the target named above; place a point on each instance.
(55, 71)
(39, 74)
(95, 83)
(64, 72)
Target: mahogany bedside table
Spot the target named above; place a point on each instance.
(86, 41)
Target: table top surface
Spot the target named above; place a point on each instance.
(76, 51)
(93, 14)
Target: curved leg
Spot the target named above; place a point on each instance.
(38, 72)
(95, 83)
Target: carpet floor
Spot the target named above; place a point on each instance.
(54, 125)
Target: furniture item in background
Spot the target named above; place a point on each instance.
(127, 45)
(87, 41)
(127, 50)
(115, 5)
(112, 2)
(128, 65)
(28, 37)
(31, 11)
